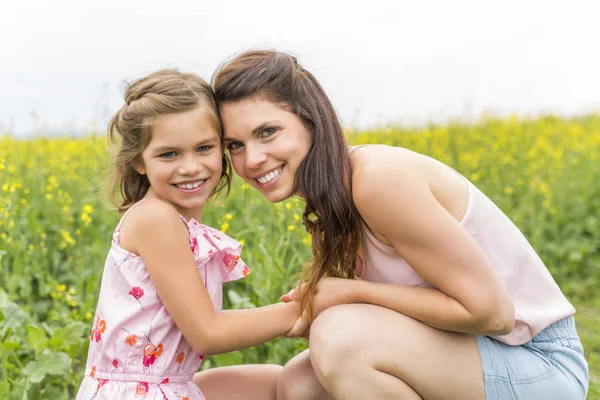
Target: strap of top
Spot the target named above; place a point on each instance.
(352, 148)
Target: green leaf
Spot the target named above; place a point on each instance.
(9, 346)
(37, 339)
(49, 363)
(4, 389)
(71, 334)
(227, 359)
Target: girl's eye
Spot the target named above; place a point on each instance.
(267, 132)
(203, 149)
(168, 154)
(234, 146)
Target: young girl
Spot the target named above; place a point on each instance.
(159, 310)
(454, 302)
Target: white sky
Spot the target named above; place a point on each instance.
(380, 61)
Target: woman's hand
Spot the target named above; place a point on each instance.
(329, 292)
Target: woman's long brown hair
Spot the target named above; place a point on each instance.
(324, 176)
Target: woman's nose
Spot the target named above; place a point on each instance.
(255, 156)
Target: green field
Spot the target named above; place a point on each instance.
(55, 232)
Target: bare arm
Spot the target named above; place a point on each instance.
(398, 203)
(162, 240)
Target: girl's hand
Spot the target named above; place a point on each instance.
(328, 293)
(301, 327)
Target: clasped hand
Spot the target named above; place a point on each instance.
(328, 292)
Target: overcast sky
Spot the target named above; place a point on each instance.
(63, 62)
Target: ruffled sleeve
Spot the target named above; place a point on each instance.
(218, 258)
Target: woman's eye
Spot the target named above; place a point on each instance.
(168, 154)
(234, 146)
(267, 132)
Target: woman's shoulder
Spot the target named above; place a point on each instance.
(393, 175)
(380, 163)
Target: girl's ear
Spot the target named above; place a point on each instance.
(139, 166)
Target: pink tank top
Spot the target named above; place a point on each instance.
(537, 299)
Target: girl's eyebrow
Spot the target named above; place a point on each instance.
(164, 149)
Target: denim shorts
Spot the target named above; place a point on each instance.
(550, 366)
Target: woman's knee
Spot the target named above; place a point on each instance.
(335, 338)
(299, 382)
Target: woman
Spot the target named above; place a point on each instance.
(449, 302)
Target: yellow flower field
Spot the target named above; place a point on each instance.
(55, 231)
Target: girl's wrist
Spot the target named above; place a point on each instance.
(356, 292)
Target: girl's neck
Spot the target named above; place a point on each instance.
(187, 214)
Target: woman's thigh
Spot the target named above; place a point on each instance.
(434, 363)
(243, 382)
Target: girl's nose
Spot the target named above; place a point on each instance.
(190, 166)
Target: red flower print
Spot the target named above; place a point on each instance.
(166, 380)
(136, 292)
(151, 353)
(115, 363)
(246, 271)
(101, 382)
(230, 261)
(185, 398)
(131, 340)
(194, 244)
(179, 358)
(202, 357)
(99, 328)
(141, 389)
(93, 371)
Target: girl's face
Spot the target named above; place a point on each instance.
(266, 143)
(183, 160)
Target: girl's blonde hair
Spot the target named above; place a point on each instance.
(162, 92)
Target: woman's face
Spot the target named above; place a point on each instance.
(267, 143)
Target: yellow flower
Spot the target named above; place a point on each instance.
(31, 247)
(228, 217)
(291, 227)
(72, 291)
(245, 186)
(48, 196)
(289, 206)
(296, 217)
(88, 209)
(88, 315)
(61, 287)
(242, 242)
(224, 227)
